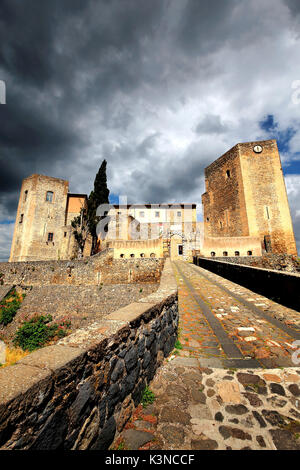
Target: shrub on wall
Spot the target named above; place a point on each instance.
(38, 331)
(9, 307)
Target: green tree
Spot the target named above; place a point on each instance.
(85, 224)
(99, 196)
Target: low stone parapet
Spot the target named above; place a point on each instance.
(283, 287)
(80, 393)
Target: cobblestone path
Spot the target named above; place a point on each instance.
(226, 325)
(233, 385)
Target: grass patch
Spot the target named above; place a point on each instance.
(38, 332)
(121, 446)
(148, 397)
(177, 347)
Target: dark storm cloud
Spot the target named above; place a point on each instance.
(294, 6)
(59, 58)
(206, 25)
(165, 179)
(159, 88)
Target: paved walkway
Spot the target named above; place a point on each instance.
(233, 385)
(226, 325)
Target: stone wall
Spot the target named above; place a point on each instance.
(280, 286)
(38, 218)
(80, 393)
(99, 269)
(243, 245)
(268, 211)
(136, 248)
(224, 205)
(288, 263)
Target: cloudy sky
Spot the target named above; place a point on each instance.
(160, 88)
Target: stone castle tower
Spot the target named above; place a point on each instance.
(42, 228)
(246, 197)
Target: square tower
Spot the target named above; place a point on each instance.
(40, 221)
(246, 196)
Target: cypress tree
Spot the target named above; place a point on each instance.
(97, 197)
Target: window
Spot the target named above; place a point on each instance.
(142, 214)
(225, 253)
(65, 234)
(179, 214)
(249, 253)
(152, 255)
(180, 250)
(157, 214)
(25, 195)
(236, 253)
(132, 255)
(213, 254)
(207, 219)
(50, 237)
(221, 225)
(267, 243)
(142, 255)
(49, 196)
(228, 174)
(122, 255)
(21, 218)
(267, 212)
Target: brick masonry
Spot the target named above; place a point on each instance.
(80, 393)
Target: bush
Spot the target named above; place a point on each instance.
(9, 307)
(38, 331)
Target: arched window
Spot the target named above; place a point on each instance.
(25, 195)
(228, 174)
(49, 196)
(249, 253)
(142, 255)
(152, 255)
(237, 253)
(132, 255)
(122, 255)
(213, 254)
(225, 253)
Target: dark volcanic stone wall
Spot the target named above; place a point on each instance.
(80, 393)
